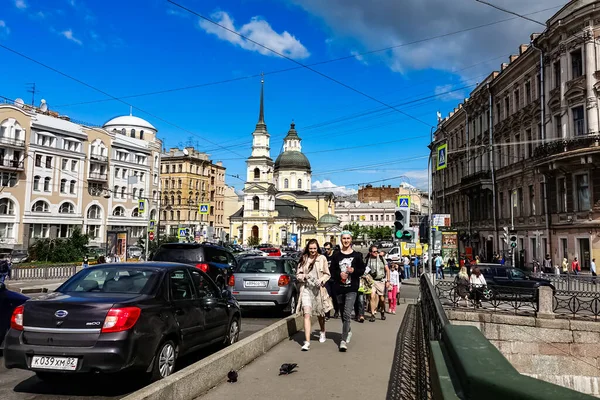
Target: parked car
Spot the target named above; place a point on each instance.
(250, 253)
(134, 252)
(265, 282)
(9, 300)
(95, 251)
(271, 251)
(125, 317)
(216, 261)
(499, 277)
(19, 256)
(395, 254)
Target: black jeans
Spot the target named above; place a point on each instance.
(346, 304)
(359, 305)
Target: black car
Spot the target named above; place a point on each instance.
(214, 260)
(500, 276)
(121, 317)
(9, 300)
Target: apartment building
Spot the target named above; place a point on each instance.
(189, 179)
(58, 175)
(522, 148)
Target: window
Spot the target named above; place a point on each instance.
(141, 195)
(578, 121)
(38, 160)
(6, 231)
(506, 106)
(66, 208)
(93, 231)
(123, 194)
(583, 192)
(140, 160)
(528, 92)
(48, 162)
(529, 143)
(181, 286)
(94, 212)
(501, 201)
(47, 184)
(498, 116)
(73, 165)
(576, 64)
(256, 174)
(136, 212)
(123, 131)
(8, 179)
(63, 186)
(180, 167)
(133, 133)
(352, 218)
(135, 193)
(558, 126)
(72, 187)
(39, 231)
(178, 215)
(142, 177)
(564, 248)
(117, 172)
(142, 137)
(255, 203)
(371, 217)
(561, 184)
(518, 148)
(40, 206)
(7, 207)
(542, 196)
(299, 183)
(180, 183)
(119, 212)
(64, 164)
(531, 200)
(517, 100)
(556, 69)
(70, 145)
(377, 218)
(36, 183)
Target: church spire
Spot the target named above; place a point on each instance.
(261, 114)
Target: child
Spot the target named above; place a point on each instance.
(393, 290)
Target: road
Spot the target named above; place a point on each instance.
(19, 384)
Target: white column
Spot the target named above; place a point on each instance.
(265, 232)
(592, 100)
(548, 83)
(564, 77)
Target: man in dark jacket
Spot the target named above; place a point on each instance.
(328, 253)
(347, 267)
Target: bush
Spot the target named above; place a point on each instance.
(60, 250)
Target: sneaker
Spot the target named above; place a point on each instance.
(349, 337)
(322, 337)
(306, 346)
(343, 346)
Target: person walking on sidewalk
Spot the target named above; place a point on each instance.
(328, 253)
(393, 289)
(5, 270)
(593, 269)
(347, 267)
(575, 266)
(565, 266)
(379, 271)
(439, 267)
(406, 262)
(312, 274)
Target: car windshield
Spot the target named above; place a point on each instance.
(516, 274)
(129, 280)
(261, 267)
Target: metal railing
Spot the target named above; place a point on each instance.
(12, 141)
(434, 316)
(574, 304)
(98, 176)
(21, 273)
(571, 282)
(16, 164)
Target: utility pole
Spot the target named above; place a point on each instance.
(33, 91)
(512, 222)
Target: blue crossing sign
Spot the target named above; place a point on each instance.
(442, 156)
(203, 208)
(403, 201)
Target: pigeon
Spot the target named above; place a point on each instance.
(232, 376)
(287, 369)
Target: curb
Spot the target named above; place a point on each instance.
(198, 378)
(28, 290)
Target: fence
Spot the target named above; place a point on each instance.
(571, 282)
(21, 273)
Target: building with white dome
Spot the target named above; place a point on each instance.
(278, 201)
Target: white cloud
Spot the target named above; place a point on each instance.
(4, 29)
(257, 30)
(327, 186)
(20, 4)
(69, 35)
(359, 57)
(449, 93)
(418, 178)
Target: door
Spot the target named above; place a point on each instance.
(584, 254)
(213, 307)
(186, 310)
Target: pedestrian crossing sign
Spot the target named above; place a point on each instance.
(203, 208)
(181, 233)
(442, 155)
(151, 225)
(403, 201)
(141, 206)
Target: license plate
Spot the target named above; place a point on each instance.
(255, 284)
(60, 363)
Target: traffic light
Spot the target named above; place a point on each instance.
(424, 230)
(402, 225)
(513, 239)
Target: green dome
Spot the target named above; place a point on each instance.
(329, 219)
(292, 160)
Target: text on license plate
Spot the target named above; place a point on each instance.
(48, 362)
(255, 283)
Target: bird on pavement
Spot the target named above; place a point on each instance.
(232, 376)
(287, 369)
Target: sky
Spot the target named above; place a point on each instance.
(378, 72)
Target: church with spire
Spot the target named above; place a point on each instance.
(279, 206)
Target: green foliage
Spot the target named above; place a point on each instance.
(253, 241)
(60, 250)
(373, 232)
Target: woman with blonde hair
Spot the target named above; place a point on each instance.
(313, 272)
(462, 285)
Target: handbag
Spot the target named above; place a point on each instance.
(325, 298)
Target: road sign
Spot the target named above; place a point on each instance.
(141, 206)
(410, 245)
(441, 220)
(442, 154)
(151, 225)
(182, 232)
(403, 201)
(203, 208)
(150, 235)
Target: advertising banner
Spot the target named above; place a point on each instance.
(449, 246)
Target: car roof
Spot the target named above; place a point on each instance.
(251, 257)
(146, 264)
(191, 246)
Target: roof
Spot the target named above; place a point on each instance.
(285, 209)
(129, 120)
(145, 264)
(329, 219)
(292, 160)
(292, 133)
(58, 124)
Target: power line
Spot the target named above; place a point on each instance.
(511, 12)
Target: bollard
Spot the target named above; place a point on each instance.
(545, 297)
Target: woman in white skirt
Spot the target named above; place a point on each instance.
(312, 274)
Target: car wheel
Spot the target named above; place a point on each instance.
(233, 332)
(164, 360)
(292, 304)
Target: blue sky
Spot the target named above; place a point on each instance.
(134, 47)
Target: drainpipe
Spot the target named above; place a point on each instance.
(492, 167)
(547, 250)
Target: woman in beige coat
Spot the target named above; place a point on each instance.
(313, 272)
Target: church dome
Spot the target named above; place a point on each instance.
(129, 120)
(292, 160)
(329, 219)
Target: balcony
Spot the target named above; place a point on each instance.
(563, 146)
(12, 142)
(98, 158)
(13, 165)
(481, 180)
(98, 176)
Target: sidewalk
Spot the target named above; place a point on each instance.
(34, 286)
(323, 372)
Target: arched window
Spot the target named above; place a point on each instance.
(172, 199)
(94, 212)
(299, 183)
(47, 184)
(36, 182)
(133, 133)
(256, 203)
(40, 206)
(66, 208)
(135, 192)
(119, 212)
(142, 194)
(142, 135)
(136, 212)
(152, 215)
(286, 183)
(123, 192)
(7, 207)
(256, 173)
(123, 131)
(178, 199)
(63, 186)
(116, 191)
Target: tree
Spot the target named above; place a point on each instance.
(253, 241)
(355, 229)
(60, 250)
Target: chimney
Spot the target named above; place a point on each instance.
(534, 36)
(512, 58)
(523, 48)
(503, 66)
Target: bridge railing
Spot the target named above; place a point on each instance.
(578, 283)
(43, 272)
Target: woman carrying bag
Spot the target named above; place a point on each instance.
(478, 285)
(313, 272)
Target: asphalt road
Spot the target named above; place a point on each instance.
(19, 384)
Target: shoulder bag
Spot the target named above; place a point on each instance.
(327, 303)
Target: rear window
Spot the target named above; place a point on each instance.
(181, 255)
(112, 280)
(261, 267)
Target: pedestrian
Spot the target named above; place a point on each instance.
(376, 266)
(462, 285)
(439, 267)
(468, 265)
(393, 289)
(328, 253)
(451, 265)
(575, 266)
(5, 270)
(417, 264)
(313, 273)
(565, 265)
(477, 260)
(478, 285)
(547, 264)
(406, 262)
(426, 261)
(347, 267)
(593, 269)
(85, 262)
